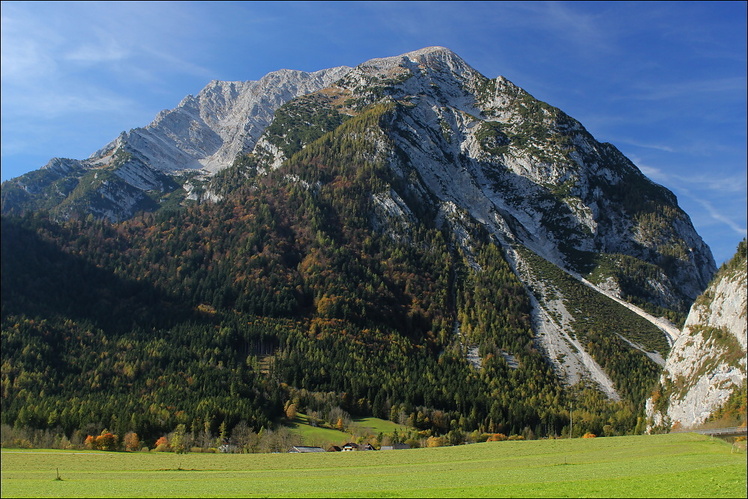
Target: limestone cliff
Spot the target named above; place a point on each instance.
(707, 363)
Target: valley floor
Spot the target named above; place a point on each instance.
(674, 465)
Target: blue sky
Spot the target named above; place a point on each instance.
(665, 82)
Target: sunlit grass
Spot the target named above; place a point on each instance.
(676, 465)
(324, 437)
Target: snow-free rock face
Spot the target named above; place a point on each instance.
(532, 173)
(226, 118)
(202, 135)
(708, 361)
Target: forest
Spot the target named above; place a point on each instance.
(211, 319)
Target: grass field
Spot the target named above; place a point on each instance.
(324, 437)
(674, 465)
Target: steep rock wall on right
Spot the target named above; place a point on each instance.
(705, 371)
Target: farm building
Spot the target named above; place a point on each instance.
(303, 449)
(395, 447)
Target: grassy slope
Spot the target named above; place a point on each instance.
(317, 436)
(324, 437)
(674, 465)
(376, 425)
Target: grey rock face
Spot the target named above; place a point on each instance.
(533, 174)
(202, 135)
(708, 361)
(208, 130)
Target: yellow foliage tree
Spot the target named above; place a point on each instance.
(291, 411)
(131, 441)
(433, 441)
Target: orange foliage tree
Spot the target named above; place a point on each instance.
(162, 445)
(107, 441)
(131, 441)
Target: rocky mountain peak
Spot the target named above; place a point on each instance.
(437, 59)
(527, 170)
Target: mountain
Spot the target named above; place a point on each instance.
(166, 159)
(408, 236)
(525, 169)
(705, 372)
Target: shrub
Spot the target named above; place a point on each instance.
(434, 442)
(589, 435)
(19, 443)
(162, 445)
(131, 441)
(106, 441)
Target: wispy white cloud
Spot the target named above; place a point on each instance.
(27, 48)
(656, 91)
(645, 145)
(49, 104)
(583, 28)
(711, 180)
(179, 64)
(69, 61)
(721, 217)
(104, 50)
(702, 189)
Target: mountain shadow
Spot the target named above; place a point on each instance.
(39, 279)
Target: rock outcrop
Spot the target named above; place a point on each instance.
(707, 363)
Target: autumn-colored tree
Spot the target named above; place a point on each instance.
(90, 442)
(496, 437)
(107, 441)
(179, 440)
(131, 441)
(291, 411)
(162, 445)
(433, 441)
(589, 435)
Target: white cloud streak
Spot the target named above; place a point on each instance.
(707, 187)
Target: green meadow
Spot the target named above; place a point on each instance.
(324, 437)
(673, 465)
